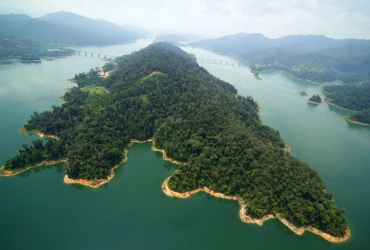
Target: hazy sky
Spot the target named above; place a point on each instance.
(213, 18)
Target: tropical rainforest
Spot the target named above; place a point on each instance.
(28, 49)
(315, 98)
(68, 29)
(160, 92)
(312, 57)
(353, 96)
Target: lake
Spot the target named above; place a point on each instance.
(39, 211)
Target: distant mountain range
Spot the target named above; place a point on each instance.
(68, 28)
(246, 44)
(313, 57)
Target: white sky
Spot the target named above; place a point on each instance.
(214, 18)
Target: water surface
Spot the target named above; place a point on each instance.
(39, 211)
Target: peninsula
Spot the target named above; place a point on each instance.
(197, 120)
(355, 97)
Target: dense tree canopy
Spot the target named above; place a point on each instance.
(315, 98)
(68, 29)
(160, 92)
(27, 49)
(354, 96)
(327, 65)
(313, 57)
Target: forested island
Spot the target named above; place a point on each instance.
(215, 135)
(315, 99)
(355, 97)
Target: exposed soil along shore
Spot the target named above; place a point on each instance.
(154, 148)
(355, 122)
(316, 103)
(247, 219)
(242, 213)
(4, 172)
(42, 135)
(325, 91)
(337, 106)
(61, 98)
(300, 78)
(98, 182)
(287, 148)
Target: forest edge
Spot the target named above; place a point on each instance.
(242, 212)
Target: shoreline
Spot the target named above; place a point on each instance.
(7, 173)
(340, 107)
(242, 213)
(61, 98)
(247, 219)
(256, 76)
(300, 78)
(355, 122)
(287, 149)
(99, 182)
(312, 102)
(23, 130)
(154, 148)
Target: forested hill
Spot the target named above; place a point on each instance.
(26, 48)
(349, 63)
(246, 44)
(160, 92)
(65, 28)
(354, 96)
(316, 58)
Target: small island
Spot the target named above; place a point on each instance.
(303, 93)
(315, 99)
(198, 122)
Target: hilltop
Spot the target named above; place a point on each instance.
(215, 135)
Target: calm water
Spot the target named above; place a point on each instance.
(39, 211)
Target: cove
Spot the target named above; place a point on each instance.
(39, 211)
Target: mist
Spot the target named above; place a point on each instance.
(337, 19)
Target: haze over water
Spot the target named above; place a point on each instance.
(39, 211)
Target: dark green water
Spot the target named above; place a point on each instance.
(39, 211)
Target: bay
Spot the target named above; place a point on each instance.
(39, 211)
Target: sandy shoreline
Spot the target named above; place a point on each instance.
(287, 149)
(245, 218)
(300, 78)
(316, 103)
(99, 182)
(154, 148)
(61, 98)
(242, 213)
(4, 172)
(355, 122)
(337, 106)
(42, 135)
